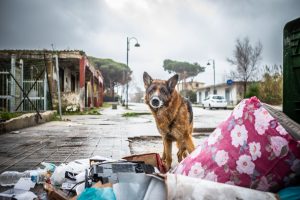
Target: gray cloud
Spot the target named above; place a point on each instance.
(190, 30)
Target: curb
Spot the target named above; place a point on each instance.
(24, 121)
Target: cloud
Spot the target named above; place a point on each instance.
(190, 30)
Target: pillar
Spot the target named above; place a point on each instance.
(82, 83)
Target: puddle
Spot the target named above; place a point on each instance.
(153, 144)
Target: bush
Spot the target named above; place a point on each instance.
(271, 87)
(253, 90)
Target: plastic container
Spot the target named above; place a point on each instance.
(12, 177)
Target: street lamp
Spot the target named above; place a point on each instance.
(128, 45)
(208, 63)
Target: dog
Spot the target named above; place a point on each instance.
(173, 116)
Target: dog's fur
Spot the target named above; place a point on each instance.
(173, 115)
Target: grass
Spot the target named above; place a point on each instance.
(56, 117)
(106, 105)
(8, 115)
(92, 111)
(134, 114)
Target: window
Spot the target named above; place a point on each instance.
(218, 97)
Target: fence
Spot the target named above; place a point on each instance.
(12, 75)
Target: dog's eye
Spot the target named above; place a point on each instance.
(163, 90)
(151, 89)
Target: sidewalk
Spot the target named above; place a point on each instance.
(82, 137)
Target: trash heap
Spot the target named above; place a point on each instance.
(93, 178)
(138, 177)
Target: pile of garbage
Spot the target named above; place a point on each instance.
(93, 178)
(139, 177)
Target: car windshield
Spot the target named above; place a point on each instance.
(218, 97)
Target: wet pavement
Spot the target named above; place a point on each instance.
(87, 135)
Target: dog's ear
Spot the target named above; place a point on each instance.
(172, 82)
(147, 79)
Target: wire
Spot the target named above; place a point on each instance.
(75, 186)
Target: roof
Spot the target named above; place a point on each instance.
(41, 54)
(221, 85)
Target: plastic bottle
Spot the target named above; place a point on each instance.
(12, 177)
(38, 176)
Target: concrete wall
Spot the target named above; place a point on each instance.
(26, 120)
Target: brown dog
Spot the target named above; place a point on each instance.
(173, 115)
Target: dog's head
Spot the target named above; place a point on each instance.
(159, 92)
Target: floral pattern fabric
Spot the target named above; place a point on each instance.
(249, 149)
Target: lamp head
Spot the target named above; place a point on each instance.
(137, 45)
(208, 63)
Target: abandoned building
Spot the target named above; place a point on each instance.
(35, 79)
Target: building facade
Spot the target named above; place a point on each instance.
(32, 79)
(233, 93)
(190, 85)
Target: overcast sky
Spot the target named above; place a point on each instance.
(183, 30)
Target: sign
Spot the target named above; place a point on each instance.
(229, 82)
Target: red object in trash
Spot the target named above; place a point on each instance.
(153, 159)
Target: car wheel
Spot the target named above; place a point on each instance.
(209, 107)
(203, 106)
(225, 108)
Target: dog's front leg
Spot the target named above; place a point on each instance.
(167, 153)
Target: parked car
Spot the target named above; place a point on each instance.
(214, 101)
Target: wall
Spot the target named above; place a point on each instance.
(234, 95)
(194, 86)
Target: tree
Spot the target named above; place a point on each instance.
(271, 86)
(253, 90)
(246, 59)
(183, 69)
(114, 73)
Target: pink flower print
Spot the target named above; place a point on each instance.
(214, 136)
(239, 110)
(263, 184)
(197, 171)
(211, 176)
(239, 135)
(196, 152)
(221, 158)
(262, 119)
(254, 149)
(281, 130)
(277, 143)
(179, 169)
(245, 165)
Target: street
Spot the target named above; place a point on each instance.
(82, 136)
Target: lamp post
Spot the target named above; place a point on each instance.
(128, 45)
(208, 63)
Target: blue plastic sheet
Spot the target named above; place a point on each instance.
(290, 193)
(97, 194)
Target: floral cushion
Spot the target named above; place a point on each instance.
(249, 149)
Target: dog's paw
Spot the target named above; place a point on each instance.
(166, 165)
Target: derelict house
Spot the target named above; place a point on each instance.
(33, 80)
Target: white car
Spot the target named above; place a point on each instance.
(214, 101)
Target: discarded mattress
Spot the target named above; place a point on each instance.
(249, 149)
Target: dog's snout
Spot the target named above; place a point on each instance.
(155, 102)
